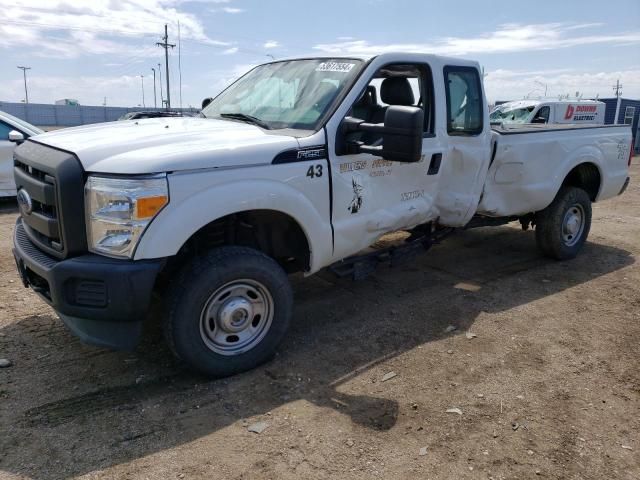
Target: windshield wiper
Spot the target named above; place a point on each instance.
(246, 118)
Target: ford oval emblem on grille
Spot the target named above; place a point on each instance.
(24, 201)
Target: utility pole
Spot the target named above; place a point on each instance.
(618, 89)
(26, 92)
(166, 45)
(155, 102)
(160, 82)
(142, 80)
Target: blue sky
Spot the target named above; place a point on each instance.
(89, 50)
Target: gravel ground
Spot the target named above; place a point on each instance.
(539, 359)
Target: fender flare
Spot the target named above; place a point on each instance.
(188, 213)
(588, 154)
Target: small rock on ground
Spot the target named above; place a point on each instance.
(258, 427)
(423, 451)
(389, 376)
(5, 362)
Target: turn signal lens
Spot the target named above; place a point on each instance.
(147, 207)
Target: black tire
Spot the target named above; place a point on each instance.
(553, 237)
(194, 289)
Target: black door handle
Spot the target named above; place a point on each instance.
(434, 165)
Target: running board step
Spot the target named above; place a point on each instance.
(360, 267)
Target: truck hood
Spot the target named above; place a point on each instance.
(167, 144)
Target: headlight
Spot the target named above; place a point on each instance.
(119, 209)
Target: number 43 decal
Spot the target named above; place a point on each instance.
(314, 171)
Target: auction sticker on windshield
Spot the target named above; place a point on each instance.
(335, 67)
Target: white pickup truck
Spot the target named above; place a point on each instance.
(297, 166)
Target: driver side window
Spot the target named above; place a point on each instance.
(543, 115)
(395, 84)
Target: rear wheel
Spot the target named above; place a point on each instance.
(228, 311)
(563, 227)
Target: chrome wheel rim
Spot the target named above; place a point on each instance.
(573, 225)
(236, 317)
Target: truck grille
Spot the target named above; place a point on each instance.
(42, 222)
(50, 186)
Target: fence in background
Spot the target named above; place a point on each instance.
(46, 115)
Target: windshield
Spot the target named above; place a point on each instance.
(511, 115)
(290, 94)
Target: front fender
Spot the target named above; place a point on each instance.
(197, 199)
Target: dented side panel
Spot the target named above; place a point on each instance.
(529, 168)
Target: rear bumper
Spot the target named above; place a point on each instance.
(102, 300)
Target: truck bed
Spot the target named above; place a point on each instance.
(530, 162)
(536, 128)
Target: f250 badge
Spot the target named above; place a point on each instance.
(356, 203)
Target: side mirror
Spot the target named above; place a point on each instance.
(206, 102)
(402, 138)
(401, 135)
(16, 136)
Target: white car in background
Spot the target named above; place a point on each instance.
(13, 131)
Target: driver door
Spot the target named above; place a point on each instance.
(373, 196)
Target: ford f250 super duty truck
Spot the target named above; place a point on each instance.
(298, 165)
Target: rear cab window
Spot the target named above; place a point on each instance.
(465, 105)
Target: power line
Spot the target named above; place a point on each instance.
(81, 29)
(133, 33)
(166, 45)
(617, 88)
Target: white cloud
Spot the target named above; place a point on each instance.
(271, 44)
(232, 10)
(507, 38)
(69, 28)
(509, 85)
(230, 51)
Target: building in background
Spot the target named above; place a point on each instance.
(72, 102)
(67, 115)
(629, 114)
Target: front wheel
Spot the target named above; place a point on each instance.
(228, 311)
(563, 227)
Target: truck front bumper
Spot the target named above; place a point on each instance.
(101, 300)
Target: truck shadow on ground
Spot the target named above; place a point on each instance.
(69, 409)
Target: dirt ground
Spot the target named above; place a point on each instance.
(549, 387)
